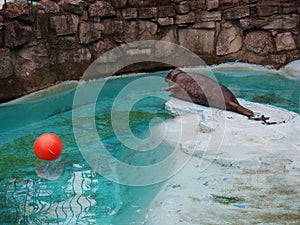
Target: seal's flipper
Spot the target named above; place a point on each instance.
(240, 109)
(174, 86)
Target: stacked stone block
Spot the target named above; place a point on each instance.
(57, 40)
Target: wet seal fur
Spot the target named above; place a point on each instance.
(203, 90)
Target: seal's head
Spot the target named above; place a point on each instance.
(172, 75)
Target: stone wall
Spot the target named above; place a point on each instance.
(57, 40)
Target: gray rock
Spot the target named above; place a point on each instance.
(236, 13)
(74, 6)
(212, 4)
(101, 9)
(73, 55)
(16, 34)
(197, 40)
(278, 59)
(113, 27)
(183, 8)
(164, 2)
(268, 10)
(1, 32)
(298, 41)
(166, 11)
(185, 18)
(89, 32)
(102, 46)
(133, 3)
(165, 21)
(147, 30)
(64, 24)
(129, 13)
(285, 41)
(229, 3)
(207, 25)
(165, 49)
(6, 65)
(42, 25)
(48, 6)
(249, 1)
(210, 16)
(281, 22)
(150, 12)
(25, 13)
(260, 42)
(229, 39)
(131, 31)
(289, 9)
(249, 23)
(118, 3)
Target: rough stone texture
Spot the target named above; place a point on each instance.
(147, 30)
(198, 41)
(278, 59)
(166, 11)
(12, 33)
(131, 31)
(112, 27)
(48, 6)
(212, 4)
(118, 3)
(29, 61)
(89, 32)
(6, 66)
(164, 50)
(249, 23)
(274, 22)
(260, 42)
(165, 21)
(26, 13)
(289, 10)
(236, 13)
(186, 18)
(130, 13)
(182, 8)
(282, 22)
(210, 16)
(101, 9)
(208, 25)
(229, 39)
(145, 13)
(55, 40)
(42, 26)
(1, 32)
(285, 41)
(268, 10)
(102, 46)
(228, 3)
(74, 6)
(298, 41)
(249, 1)
(65, 24)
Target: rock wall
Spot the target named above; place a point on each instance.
(57, 40)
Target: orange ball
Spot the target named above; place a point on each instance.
(48, 147)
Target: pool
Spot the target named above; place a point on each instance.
(69, 190)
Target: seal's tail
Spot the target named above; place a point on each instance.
(242, 110)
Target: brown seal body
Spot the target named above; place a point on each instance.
(203, 90)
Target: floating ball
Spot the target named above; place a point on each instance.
(48, 147)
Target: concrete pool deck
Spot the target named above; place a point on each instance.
(252, 178)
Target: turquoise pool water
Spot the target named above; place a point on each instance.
(68, 191)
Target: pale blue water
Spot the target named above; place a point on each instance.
(75, 194)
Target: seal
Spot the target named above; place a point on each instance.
(202, 90)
